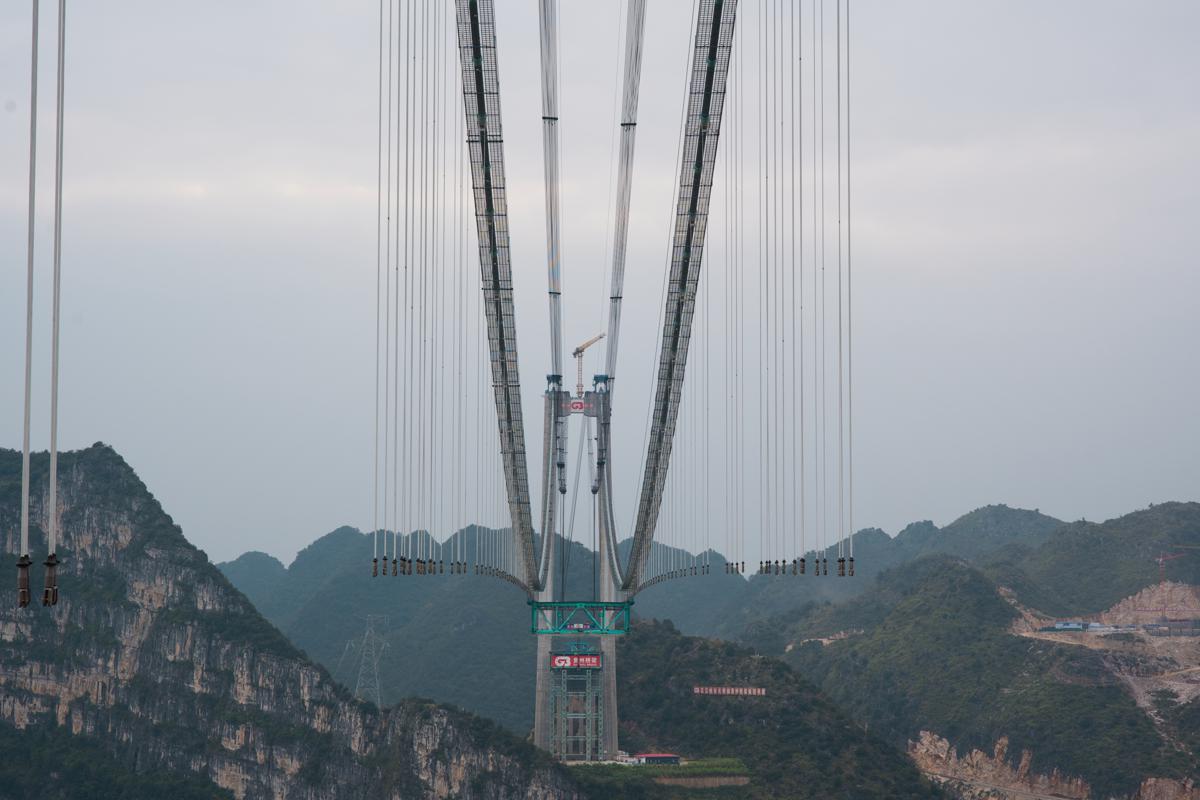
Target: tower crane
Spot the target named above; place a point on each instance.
(578, 356)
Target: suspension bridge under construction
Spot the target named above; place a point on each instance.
(749, 452)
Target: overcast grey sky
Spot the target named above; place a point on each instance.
(1026, 195)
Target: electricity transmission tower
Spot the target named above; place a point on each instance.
(370, 651)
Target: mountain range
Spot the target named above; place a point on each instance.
(919, 647)
(159, 677)
(155, 677)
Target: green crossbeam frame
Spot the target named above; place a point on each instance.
(586, 618)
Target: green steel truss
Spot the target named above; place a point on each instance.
(575, 618)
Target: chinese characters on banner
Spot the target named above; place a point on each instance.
(731, 691)
(583, 661)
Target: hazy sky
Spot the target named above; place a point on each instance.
(1026, 192)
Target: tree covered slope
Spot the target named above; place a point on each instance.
(936, 654)
(796, 742)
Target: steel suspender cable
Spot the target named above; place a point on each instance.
(732, 439)
(798, 213)
(445, 496)
(771, 278)
(437, 431)
(387, 253)
(407, 521)
(50, 595)
(725, 339)
(24, 562)
(841, 485)
(436, 373)
(424, 232)
(707, 428)
(461, 328)
(394, 267)
(761, 322)
(823, 500)
(767, 275)
(785, 413)
(797, 289)
(738, 316)
(434, 298)
(849, 315)
(378, 290)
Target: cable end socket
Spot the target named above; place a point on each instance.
(23, 565)
(50, 593)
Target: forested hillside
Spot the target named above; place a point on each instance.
(1086, 567)
(935, 653)
(795, 741)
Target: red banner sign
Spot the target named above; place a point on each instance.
(731, 691)
(583, 661)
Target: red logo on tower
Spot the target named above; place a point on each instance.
(581, 661)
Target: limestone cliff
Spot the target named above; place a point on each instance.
(152, 651)
(983, 776)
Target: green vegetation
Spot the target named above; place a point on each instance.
(638, 781)
(934, 654)
(1183, 721)
(1087, 567)
(453, 639)
(52, 764)
(941, 659)
(794, 741)
(158, 723)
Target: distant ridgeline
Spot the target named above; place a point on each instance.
(312, 599)
(156, 678)
(1070, 706)
(926, 591)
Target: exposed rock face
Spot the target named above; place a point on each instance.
(1178, 599)
(151, 650)
(979, 776)
(1166, 789)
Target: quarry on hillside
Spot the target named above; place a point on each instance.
(1149, 664)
